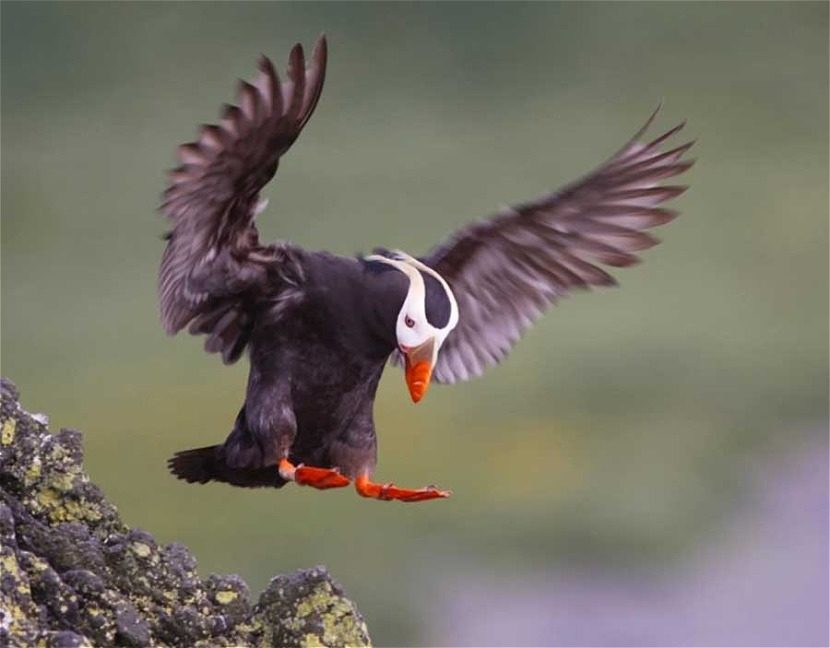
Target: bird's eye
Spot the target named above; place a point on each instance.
(409, 322)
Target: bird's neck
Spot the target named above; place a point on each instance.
(359, 304)
(382, 297)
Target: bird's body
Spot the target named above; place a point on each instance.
(319, 328)
(315, 367)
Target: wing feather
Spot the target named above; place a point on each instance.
(507, 270)
(214, 268)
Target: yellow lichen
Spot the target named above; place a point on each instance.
(252, 625)
(141, 549)
(19, 618)
(9, 564)
(7, 432)
(340, 625)
(62, 481)
(226, 596)
(61, 509)
(33, 472)
(48, 499)
(317, 600)
(311, 641)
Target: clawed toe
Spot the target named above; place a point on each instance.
(392, 492)
(387, 492)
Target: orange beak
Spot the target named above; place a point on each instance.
(418, 361)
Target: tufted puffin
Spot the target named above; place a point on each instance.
(320, 328)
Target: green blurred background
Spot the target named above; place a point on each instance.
(621, 435)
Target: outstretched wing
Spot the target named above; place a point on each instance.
(214, 267)
(505, 271)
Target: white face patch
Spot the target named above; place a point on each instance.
(412, 327)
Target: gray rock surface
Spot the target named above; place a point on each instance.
(72, 574)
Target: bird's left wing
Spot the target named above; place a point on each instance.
(507, 270)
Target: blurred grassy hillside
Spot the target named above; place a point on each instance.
(617, 431)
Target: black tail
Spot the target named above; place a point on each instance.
(239, 461)
(201, 465)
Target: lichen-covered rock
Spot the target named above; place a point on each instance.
(72, 574)
(308, 609)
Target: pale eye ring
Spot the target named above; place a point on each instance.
(409, 321)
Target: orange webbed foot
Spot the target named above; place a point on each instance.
(321, 478)
(367, 488)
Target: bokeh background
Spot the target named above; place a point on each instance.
(650, 464)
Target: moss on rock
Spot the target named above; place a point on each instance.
(73, 574)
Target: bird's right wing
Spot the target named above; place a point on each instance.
(214, 268)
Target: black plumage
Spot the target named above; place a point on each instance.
(319, 328)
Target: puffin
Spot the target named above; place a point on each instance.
(320, 328)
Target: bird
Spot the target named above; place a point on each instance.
(319, 328)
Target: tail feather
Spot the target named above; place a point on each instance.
(202, 465)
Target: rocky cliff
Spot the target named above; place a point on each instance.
(72, 574)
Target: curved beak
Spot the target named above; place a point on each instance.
(418, 368)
